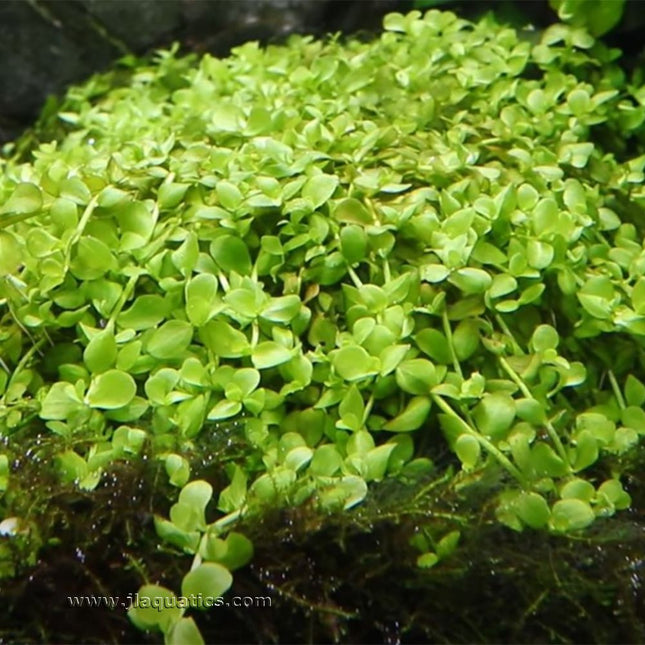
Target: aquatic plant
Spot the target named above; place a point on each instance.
(354, 253)
(597, 17)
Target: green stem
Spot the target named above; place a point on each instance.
(432, 485)
(220, 525)
(27, 357)
(447, 330)
(24, 423)
(355, 279)
(197, 559)
(368, 409)
(138, 567)
(123, 298)
(24, 360)
(459, 519)
(552, 432)
(223, 280)
(516, 346)
(9, 220)
(85, 218)
(17, 285)
(159, 242)
(387, 274)
(48, 338)
(617, 393)
(562, 400)
(223, 523)
(515, 377)
(601, 238)
(312, 606)
(372, 209)
(504, 461)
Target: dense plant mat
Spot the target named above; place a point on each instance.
(325, 267)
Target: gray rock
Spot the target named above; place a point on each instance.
(40, 55)
(218, 25)
(140, 24)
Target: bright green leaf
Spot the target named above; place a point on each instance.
(110, 390)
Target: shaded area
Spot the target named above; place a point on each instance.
(89, 543)
(498, 587)
(335, 578)
(354, 579)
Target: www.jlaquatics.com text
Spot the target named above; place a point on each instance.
(167, 602)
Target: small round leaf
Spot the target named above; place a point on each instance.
(210, 580)
(111, 390)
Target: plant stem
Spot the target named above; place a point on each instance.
(368, 409)
(17, 285)
(220, 525)
(355, 279)
(85, 218)
(313, 606)
(387, 275)
(27, 357)
(447, 330)
(123, 298)
(197, 560)
(231, 518)
(516, 346)
(433, 484)
(553, 433)
(485, 443)
(223, 281)
(617, 393)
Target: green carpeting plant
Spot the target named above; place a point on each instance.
(597, 17)
(345, 249)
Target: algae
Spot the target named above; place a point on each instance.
(341, 577)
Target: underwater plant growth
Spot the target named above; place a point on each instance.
(353, 253)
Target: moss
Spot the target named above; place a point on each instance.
(342, 577)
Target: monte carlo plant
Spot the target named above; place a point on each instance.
(349, 251)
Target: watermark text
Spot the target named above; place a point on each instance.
(166, 602)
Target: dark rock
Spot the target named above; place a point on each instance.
(40, 55)
(138, 25)
(10, 128)
(217, 25)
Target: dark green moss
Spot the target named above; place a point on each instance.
(341, 578)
